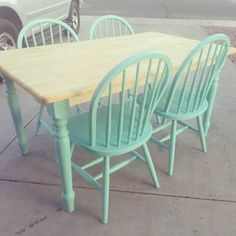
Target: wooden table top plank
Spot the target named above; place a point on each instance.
(65, 71)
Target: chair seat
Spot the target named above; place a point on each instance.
(79, 132)
(172, 111)
(171, 114)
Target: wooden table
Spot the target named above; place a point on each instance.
(67, 74)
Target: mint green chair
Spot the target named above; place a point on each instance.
(110, 26)
(119, 127)
(188, 95)
(42, 32)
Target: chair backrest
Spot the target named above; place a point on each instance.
(196, 74)
(146, 75)
(45, 31)
(110, 26)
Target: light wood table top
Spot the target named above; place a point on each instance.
(65, 71)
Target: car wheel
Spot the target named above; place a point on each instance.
(74, 16)
(8, 35)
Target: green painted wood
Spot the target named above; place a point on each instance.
(120, 125)
(201, 133)
(59, 112)
(86, 176)
(162, 127)
(188, 125)
(178, 131)
(40, 114)
(193, 90)
(156, 141)
(110, 26)
(150, 165)
(106, 186)
(211, 100)
(172, 148)
(41, 32)
(46, 127)
(138, 156)
(116, 167)
(92, 163)
(45, 31)
(14, 106)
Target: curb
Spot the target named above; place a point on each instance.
(187, 22)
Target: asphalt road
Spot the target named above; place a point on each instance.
(180, 9)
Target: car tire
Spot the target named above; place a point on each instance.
(74, 16)
(8, 35)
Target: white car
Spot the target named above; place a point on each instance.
(14, 14)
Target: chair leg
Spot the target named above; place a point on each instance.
(55, 156)
(172, 147)
(158, 119)
(211, 100)
(201, 133)
(150, 165)
(79, 110)
(106, 184)
(72, 148)
(40, 114)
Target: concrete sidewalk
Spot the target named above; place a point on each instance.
(200, 199)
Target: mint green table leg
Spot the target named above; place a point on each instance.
(41, 110)
(211, 100)
(14, 106)
(59, 112)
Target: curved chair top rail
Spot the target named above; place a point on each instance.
(110, 26)
(45, 31)
(146, 75)
(196, 74)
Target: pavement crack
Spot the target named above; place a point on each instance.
(15, 136)
(21, 231)
(112, 189)
(31, 225)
